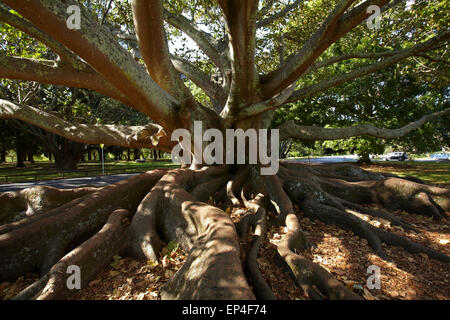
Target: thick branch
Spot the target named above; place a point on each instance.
(201, 38)
(267, 105)
(213, 90)
(241, 29)
(152, 40)
(149, 136)
(393, 57)
(279, 14)
(291, 130)
(51, 72)
(337, 24)
(97, 46)
(25, 26)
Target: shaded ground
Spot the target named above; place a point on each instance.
(405, 276)
(345, 255)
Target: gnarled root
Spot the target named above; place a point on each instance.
(170, 206)
(255, 219)
(90, 257)
(37, 243)
(312, 278)
(213, 269)
(315, 281)
(37, 199)
(319, 204)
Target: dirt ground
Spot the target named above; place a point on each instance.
(404, 276)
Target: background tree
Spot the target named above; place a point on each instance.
(253, 59)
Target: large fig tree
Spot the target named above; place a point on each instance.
(252, 58)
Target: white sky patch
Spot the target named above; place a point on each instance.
(409, 4)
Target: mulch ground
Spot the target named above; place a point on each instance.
(404, 276)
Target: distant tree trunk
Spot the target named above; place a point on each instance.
(364, 158)
(3, 155)
(67, 157)
(155, 155)
(20, 152)
(30, 156)
(128, 154)
(89, 155)
(137, 154)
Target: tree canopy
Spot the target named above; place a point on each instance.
(175, 61)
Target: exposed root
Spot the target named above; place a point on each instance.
(312, 278)
(212, 269)
(170, 206)
(234, 185)
(35, 200)
(378, 214)
(350, 221)
(392, 193)
(38, 244)
(90, 257)
(204, 191)
(257, 221)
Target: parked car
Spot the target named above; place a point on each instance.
(140, 160)
(400, 156)
(440, 156)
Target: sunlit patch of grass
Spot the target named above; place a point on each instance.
(45, 170)
(431, 172)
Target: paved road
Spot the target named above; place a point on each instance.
(68, 183)
(105, 180)
(336, 159)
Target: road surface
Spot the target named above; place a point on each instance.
(68, 183)
(105, 180)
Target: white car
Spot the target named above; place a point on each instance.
(400, 156)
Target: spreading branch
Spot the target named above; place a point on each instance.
(97, 46)
(53, 72)
(290, 129)
(204, 40)
(392, 58)
(213, 90)
(152, 40)
(241, 28)
(338, 23)
(148, 136)
(280, 14)
(25, 26)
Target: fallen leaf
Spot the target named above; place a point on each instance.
(114, 273)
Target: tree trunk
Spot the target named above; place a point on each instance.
(30, 156)
(364, 158)
(136, 154)
(2, 155)
(20, 152)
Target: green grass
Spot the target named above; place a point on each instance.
(44, 170)
(431, 172)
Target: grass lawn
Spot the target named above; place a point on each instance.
(429, 172)
(44, 170)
